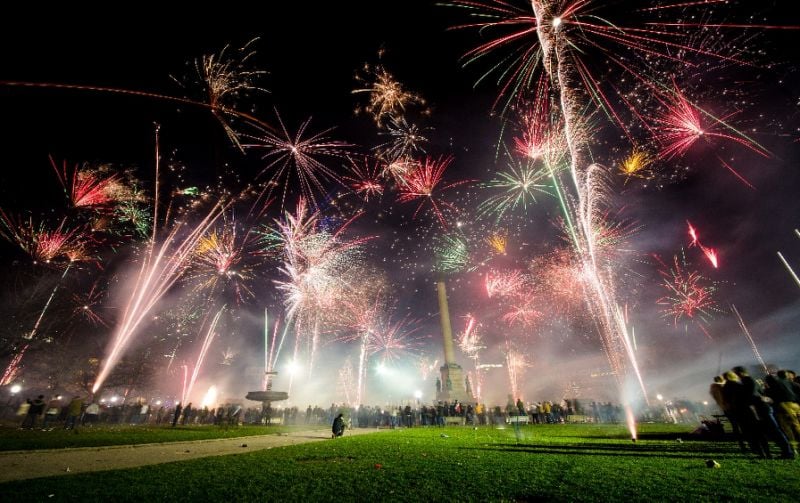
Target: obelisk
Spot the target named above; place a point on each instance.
(452, 376)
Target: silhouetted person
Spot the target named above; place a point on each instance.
(187, 412)
(338, 426)
(177, 415)
(34, 412)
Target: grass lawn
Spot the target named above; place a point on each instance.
(12, 439)
(552, 462)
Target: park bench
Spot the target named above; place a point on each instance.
(518, 420)
(455, 420)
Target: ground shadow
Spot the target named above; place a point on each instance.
(633, 450)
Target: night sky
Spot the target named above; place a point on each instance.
(312, 52)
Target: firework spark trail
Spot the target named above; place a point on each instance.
(366, 318)
(216, 110)
(557, 57)
(583, 198)
(185, 381)
(470, 340)
(345, 382)
(271, 350)
(318, 269)
(515, 364)
(363, 353)
(33, 332)
(426, 367)
(471, 344)
(710, 253)
(749, 337)
(161, 267)
(223, 77)
(210, 333)
(13, 367)
(43, 246)
(789, 268)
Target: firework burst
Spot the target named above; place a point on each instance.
(387, 97)
(690, 296)
(297, 157)
(683, 124)
(470, 340)
(365, 178)
(45, 245)
(88, 188)
(498, 242)
(404, 139)
(523, 312)
(225, 259)
(636, 165)
(502, 284)
(88, 305)
(392, 341)
(585, 42)
(516, 187)
(424, 184)
(452, 254)
(224, 78)
(319, 270)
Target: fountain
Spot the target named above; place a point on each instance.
(267, 396)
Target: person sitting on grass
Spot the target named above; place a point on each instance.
(338, 426)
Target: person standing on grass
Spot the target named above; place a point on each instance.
(177, 414)
(766, 425)
(52, 412)
(187, 412)
(784, 404)
(73, 412)
(338, 426)
(717, 392)
(34, 411)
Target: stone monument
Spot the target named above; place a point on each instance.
(451, 386)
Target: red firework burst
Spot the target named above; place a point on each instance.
(365, 179)
(424, 183)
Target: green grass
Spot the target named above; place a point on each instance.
(12, 439)
(549, 462)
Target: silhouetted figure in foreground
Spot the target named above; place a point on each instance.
(338, 426)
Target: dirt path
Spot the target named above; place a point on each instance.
(18, 465)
